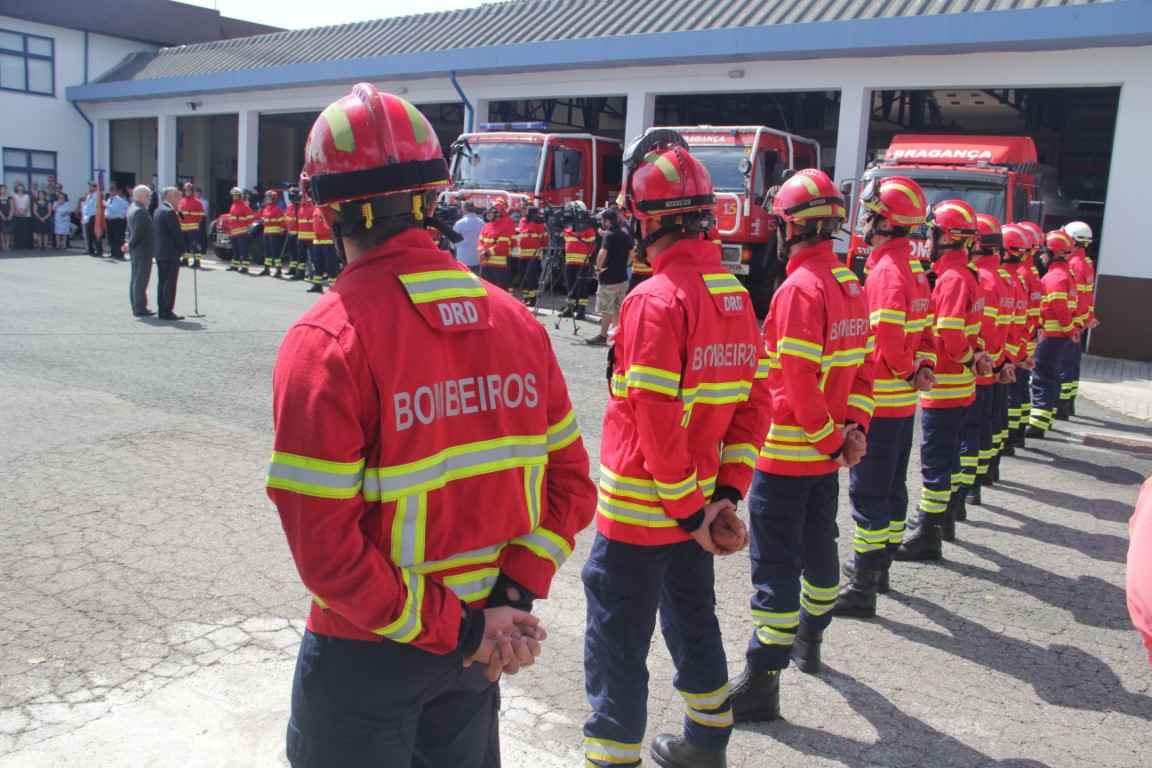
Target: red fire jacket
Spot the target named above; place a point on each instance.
(239, 218)
(532, 236)
(900, 303)
(1058, 310)
(291, 224)
(689, 400)
(191, 214)
(1029, 279)
(273, 219)
(495, 243)
(578, 244)
(996, 329)
(321, 232)
(1085, 275)
(818, 340)
(406, 482)
(304, 217)
(1018, 335)
(959, 304)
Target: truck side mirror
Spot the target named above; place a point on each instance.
(846, 187)
(1036, 211)
(745, 166)
(474, 159)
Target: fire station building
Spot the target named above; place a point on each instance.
(1075, 75)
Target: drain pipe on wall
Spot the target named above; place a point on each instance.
(91, 127)
(463, 98)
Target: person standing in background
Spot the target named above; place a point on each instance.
(21, 218)
(469, 227)
(116, 216)
(88, 221)
(62, 211)
(169, 248)
(42, 220)
(5, 219)
(140, 247)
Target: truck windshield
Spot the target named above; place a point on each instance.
(723, 164)
(512, 166)
(983, 197)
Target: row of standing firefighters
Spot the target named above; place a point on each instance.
(432, 481)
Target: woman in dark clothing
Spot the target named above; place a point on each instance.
(42, 220)
(21, 218)
(5, 219)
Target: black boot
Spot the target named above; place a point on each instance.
(580, 313)
(806, 649)
(278, 274)
(948, 530)
(858, 597)
(973, 495)
(1062, 411)
(924, 544)
(755, 696)
(675, 752)
(1018, 438)
(1072, 407)
(568, 311)
(959, 508)
(1009, 448)
(993, 471)
(1034, 432)
(267, 271)
(882, 582)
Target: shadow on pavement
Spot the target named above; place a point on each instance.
(1101, 509)
(1094, 423)
(1100, 546)
(1102, 472)
(180, 325)
(901, 738)
(1091, 600)
(1060, 674)
(22, 254)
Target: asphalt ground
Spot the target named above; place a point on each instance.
(152, 611)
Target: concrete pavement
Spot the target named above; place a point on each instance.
(153, 611)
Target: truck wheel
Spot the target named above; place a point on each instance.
(222, 254)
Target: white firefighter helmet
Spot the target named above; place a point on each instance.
(1080, 232)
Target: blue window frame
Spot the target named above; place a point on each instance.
(28, 165)
(27, 63)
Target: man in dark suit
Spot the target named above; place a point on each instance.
(169, 249)
(139, 246)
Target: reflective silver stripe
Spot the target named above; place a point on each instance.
(705, 700)
(720, 392)
(407, 626)
(409, 529)
(723, 284)
(473, 586)
(533, 491)
(610, 751)
(632, 514)
(713, 719)
(471, 557)
(742, 454)
(314, 482)
(392, 483)
(624, 486)
(430, 286)
(661, 383)
(677, 490)
(565, 432)
(547, 544)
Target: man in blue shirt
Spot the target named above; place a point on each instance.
(88, 220)
(116, 221)
(468, 227)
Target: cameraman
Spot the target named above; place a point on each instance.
(611, 272)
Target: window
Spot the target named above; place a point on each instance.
(28, 165)
(567, 168)
(27, 63)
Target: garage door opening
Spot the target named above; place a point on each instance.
(599, 115)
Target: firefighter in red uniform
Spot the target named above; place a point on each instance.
(429, 474)
(579, 245)
(287, 264)
(273, 217)
(958, 303)
(1015, 245)
(1058, 313)
(325, 259)
(1081, 268)
(495, 245)
(988, 415)
(688, 405)
(531, 239)
(900, 302)
(192, 226)
(1018, 250)
(818, 338)
(239, 220)
(306, 236)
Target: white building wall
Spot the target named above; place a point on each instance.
(51, 123)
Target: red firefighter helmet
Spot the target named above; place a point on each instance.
(370, 144)
(896, 198)
(1037, 234)
(663, 179)
(806, 196)
(989, 233)
(956, 219)
(1017, 240)
(1060, 243)
(500, 204)
(271, 195)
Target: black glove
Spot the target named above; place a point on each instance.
(500, 595)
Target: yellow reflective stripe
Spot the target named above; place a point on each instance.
(862, 402)
(776, 628)
(436, 471)
(315, 477)
(423, 287)
(844, 358)
(563, 433)
(762, 367)
(606, 751)
(533, 493)
(409, 529)
(799, 348)
(653, 379)
(887, 316)
(546, 544)
(677, 490)
(717, 393)
(709, 700)
(633, 514)
(953, 323)
(711, 719)
(471, 586)
(408, 624)
(721, 284)
(628, 487)
(480, 556)
(844, 275)
(739, 453)
(823, 432)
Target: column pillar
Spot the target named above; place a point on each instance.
(165, 150)
(641, 113)
(248, 149)
(102, 151)
(852, 132)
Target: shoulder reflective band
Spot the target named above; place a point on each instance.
(374, 182)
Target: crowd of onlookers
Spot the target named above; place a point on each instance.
(37, 217)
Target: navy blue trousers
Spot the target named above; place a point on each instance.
(878, 490)
(795, 565)
(1050, 354)
(976, 442)
(361, 704)
(303, 254)
(1070, 373)
(273, 244)
(325, 263)
(625, 585)
(941, 431)
(240, 251)
(577, 285)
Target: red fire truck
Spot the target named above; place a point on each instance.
(745, 161)
(997, 175)
(528, 163)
